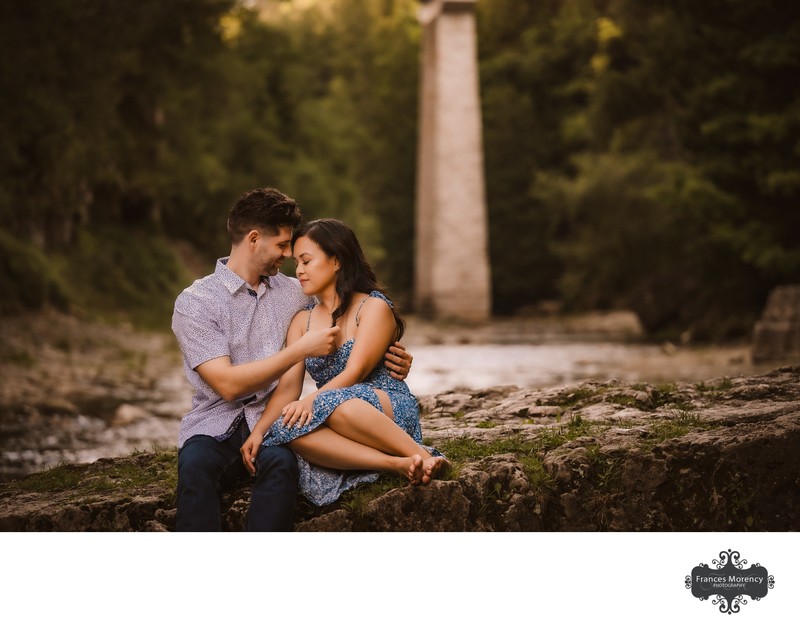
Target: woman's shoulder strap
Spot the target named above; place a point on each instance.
(374, 294)
(309, 307)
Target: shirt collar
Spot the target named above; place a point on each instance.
(232, 281)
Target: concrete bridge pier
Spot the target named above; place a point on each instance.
(452, 275)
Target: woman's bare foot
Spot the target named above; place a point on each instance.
(433, 467)
(414, 471)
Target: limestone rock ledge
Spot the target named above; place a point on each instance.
(715, 456)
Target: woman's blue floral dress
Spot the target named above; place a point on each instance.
(324, 485)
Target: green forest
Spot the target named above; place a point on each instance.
(638, 155)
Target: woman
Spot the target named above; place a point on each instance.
(361, 418)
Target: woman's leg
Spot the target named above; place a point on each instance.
(360, 422)
(325, 447)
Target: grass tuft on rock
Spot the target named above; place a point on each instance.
(140, 469)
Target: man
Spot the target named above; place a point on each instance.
(231, 326)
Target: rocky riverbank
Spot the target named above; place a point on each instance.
(718, 455)
(74, 390)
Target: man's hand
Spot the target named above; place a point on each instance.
(320, 342)
(250, 450)
(398, 361)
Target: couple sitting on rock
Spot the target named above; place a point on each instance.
(247, 411)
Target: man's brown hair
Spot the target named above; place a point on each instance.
(265, 209)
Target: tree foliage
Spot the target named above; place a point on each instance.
(638, 155)
(669, 180)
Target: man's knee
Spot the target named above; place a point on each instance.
(196, 459)
(278, 460)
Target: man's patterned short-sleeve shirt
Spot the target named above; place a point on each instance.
(220, 315)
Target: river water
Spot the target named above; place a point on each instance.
(440, 367)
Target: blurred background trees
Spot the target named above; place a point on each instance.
(638, 155)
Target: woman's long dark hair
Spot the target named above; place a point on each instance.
(355, 273)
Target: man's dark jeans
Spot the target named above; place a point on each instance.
(202, 462)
